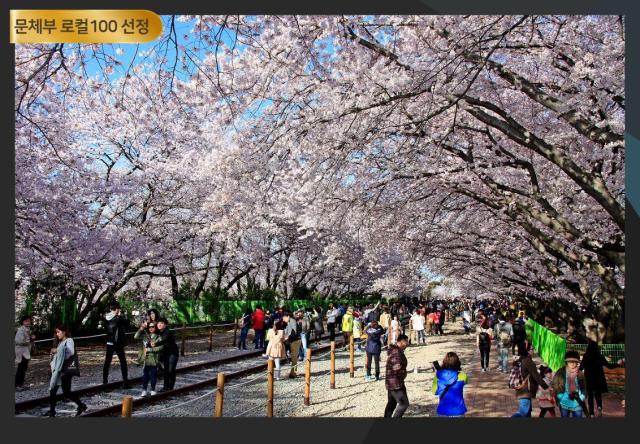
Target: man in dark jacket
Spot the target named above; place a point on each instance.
(395, 374)
(292, 337)
(170, 353)
(531, 378)
(116, 326)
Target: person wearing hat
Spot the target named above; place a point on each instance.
(23, 342)
(170, 353)
(116, 325)
(570, 386)
(347, 326)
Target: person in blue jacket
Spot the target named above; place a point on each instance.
(373, 348)
(448, 385)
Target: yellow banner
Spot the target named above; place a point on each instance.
(84, 26)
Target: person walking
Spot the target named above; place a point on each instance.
(170, 353)
(519, 334)
(466, 320)
(245, 325)
(23, 343)
(257, 322)
(62, 373)
(305, 333)
(592, 365)
(503, 335)
(528, 387)
(373, 348)
(484, 335)
(394, 330)
(570, 386)
(449, 385)
(417, 321)
(116, 326)
(149, 337)
(546, 397)
(347, 326)
(332, 314)
(269, 322)
(395, 374)
(318, 327)
(357, 332)
(292, 337)
(275, 347)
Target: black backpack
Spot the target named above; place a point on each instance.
(485, 339)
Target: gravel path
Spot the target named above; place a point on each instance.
(352, 397)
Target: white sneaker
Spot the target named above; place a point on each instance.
(153, 392)
(144, 393)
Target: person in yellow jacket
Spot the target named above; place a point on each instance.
(347, 326)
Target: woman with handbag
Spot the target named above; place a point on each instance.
(64, 366)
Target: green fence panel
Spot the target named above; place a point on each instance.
(549, 346)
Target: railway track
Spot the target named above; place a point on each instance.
(106, 399)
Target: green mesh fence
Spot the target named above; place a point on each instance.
(549, 346)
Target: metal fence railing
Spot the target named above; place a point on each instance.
(613, 352)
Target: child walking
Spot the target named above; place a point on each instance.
(546, 397)
(150, 357)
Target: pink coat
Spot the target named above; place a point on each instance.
(275, 348)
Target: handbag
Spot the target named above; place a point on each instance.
(71, 366)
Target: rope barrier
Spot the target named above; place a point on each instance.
(131, 333)
(209, 393)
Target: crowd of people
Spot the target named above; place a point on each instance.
(280, 333)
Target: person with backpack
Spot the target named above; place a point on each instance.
(449, 385)
(519, 335)
(570, 387)
(318, 326)
(524, 379)
(503, 334)
(116, 326)
(396, 372)
(151, 356)
(484, 336)
(341, 312)
(63, 369)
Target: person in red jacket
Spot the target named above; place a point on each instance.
(257, 322)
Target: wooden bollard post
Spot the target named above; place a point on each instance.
(235, 332)
(184, 333)
(307, 379)
(352, 368)
(219, 395)
(211, 337)
(333, 365)
(127, 406)
(270, 388)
